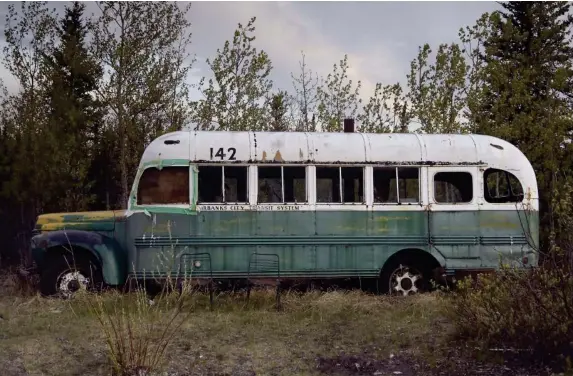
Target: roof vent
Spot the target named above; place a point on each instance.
(348, 125)
(170, 142)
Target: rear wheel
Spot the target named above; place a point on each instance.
(65, 275)
(404, 277)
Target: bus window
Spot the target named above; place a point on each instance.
(453, 187)
(280, 184)
(339, 184)
(170, 185)
(387, 191)
(210, 184)
(295, 184)
(352, 190)
(501, 186)
(270, 185)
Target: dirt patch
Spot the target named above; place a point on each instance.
(449, 362)
(363, 364)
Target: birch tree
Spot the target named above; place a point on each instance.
(237, 96)
(143, 48)
(338, 97)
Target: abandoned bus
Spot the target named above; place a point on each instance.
(401, 208)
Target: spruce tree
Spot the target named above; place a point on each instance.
(75, 114)
(525, 96)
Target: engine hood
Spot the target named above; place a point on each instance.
(89, 221)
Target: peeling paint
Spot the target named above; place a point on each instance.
(278, 157)
(98, 220)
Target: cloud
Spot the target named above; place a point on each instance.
(380, 38)
(283, 31)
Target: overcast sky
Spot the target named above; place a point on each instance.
(380, 38)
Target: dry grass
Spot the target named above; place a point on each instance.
(334, 333)
(41, 336)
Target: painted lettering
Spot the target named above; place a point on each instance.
(249, 207)
(221, 153)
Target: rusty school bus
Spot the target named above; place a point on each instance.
(400, 208)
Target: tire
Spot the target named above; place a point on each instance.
(79, 271)
(414, 278)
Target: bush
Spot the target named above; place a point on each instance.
(512, 308)
(138, 331)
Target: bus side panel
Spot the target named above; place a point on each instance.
(399, 230)
(231, 237)
(158, 241)
(224, 235)
(290, 235)
(343, 250)
(455, 235)
(507, 236)
(362, 241)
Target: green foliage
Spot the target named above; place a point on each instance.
(29, 34)
(437, 91)
(337, 98)
(236, 98)
(386, 111)
(472, 39)
(278, 112)
(524, 97)
(531, 311)
(142, 46)
(72, 76)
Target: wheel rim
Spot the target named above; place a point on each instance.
(72, 281)
(405, 281)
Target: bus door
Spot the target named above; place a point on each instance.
(453, 215)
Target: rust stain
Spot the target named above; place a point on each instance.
(278, 156)
(264, 155)
(79, 216)
(157, 228)
(300, 155)
(386, 219)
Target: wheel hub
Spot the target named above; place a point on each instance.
(71, 282)
(404, 281)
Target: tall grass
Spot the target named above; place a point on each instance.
(138, 331)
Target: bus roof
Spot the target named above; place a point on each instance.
(323, 147)
(341, 148)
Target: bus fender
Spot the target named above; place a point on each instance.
(430, 255)
(105, 249)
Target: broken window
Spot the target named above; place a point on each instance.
(394, 185)
(280, 184)
(453, 187)
(169, 185)
(339, 184)
(501, 186)
(212, 190)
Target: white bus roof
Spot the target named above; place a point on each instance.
(360, 148)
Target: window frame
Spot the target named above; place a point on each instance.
(472, 171)
(223, 165)
(396, 167)
(135, 195)
(507, 175)
(339, 167)
(282, 166)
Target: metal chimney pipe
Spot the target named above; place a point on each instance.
(348, 125)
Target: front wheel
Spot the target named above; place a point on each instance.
(402, 278)
(65, 276)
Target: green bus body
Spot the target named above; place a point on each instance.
(309, 239)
